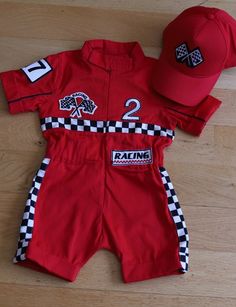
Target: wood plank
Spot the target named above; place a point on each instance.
(210, 153)
(199, 184)
(211, 229)
(61, 296)
(173, 6)
(21, 132)
(18, 52)
(17, 170)
(227, 107)
(212, 274)
(80, 23)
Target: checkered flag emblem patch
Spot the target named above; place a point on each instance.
(178, 219)
(190, 58)
(69, 103)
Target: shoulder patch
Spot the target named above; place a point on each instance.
(37, 70)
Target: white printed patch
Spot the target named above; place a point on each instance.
(37, 70)
(131, 157)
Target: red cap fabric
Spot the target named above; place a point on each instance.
(197, 46)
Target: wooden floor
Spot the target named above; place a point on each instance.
(203, 169)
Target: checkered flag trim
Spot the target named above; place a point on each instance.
(27, 223)
(105, 126)
(178, 219)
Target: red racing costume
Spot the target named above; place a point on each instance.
(102, 183)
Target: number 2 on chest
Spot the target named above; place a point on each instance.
(137, 105)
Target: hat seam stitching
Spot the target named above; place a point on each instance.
(227, 49)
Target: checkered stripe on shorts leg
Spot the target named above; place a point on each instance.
(27, 223)
(178, 218)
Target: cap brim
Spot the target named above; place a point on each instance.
(180, 87)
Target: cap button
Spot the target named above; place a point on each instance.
(210, 16)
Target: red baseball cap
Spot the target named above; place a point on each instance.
(197, 45)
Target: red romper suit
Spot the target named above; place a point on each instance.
(102, 182)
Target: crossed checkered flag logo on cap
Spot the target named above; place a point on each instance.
(191, 58)
(70, 103)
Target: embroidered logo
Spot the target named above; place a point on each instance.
(190, 58)
(77, 102)
(131, 157)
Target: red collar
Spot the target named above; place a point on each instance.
(110, 55)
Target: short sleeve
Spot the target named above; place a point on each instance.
(26, 88)
(192, 119)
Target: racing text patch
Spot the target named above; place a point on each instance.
(131, 157)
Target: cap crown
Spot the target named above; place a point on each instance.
(195, 42)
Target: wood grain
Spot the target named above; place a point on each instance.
(49, 296)
(203, 170)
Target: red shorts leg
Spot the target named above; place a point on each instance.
(61, 226)
(144, 223)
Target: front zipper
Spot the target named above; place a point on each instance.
(105, 154)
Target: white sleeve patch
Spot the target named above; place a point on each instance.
(37, 70)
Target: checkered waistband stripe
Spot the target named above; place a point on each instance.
(105, 126)
(178, 218)
(27, 223)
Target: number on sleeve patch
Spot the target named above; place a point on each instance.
(37, 70)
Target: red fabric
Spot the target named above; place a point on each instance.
(213, 32)
(25, 96)
(74, 219)
(85, 203)
(192, 119)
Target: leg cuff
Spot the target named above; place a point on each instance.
(40, 261)
(138, 271)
